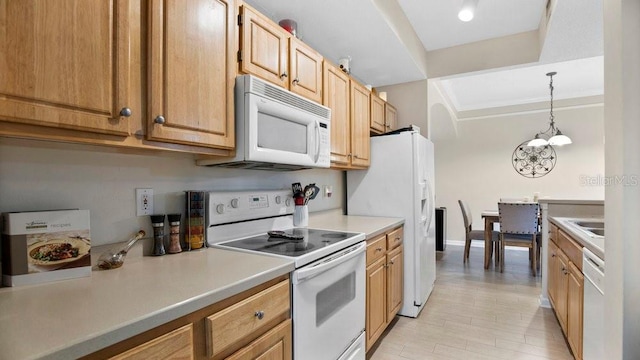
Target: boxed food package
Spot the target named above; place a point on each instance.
(43, 246)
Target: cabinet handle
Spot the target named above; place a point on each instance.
(349, 155)
(259, 314)
(295, 81)
(553, 255)
(284, 75)
(125, 111)
(159, 120)
(357, 157)
(397, 239)
(391, 262)
(379, 249)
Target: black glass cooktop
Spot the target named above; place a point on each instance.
(313, 239)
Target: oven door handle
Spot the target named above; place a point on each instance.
(332, 261)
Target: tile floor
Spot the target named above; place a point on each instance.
(477, 314)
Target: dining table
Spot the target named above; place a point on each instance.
(490, 217)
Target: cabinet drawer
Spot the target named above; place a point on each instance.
(572, 249)
(177, 344)
(394, 238)
(241, 320)
(376, 248)
(275, 344)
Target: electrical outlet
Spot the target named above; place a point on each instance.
(144, 202)
(328, 190)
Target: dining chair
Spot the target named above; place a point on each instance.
(471, 234)
(519, 227)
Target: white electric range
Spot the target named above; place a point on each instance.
(328, 285)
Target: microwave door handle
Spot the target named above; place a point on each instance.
(317, 141)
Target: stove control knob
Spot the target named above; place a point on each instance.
(234, 203)
(287, 202)
(220, 208)
(278, 199)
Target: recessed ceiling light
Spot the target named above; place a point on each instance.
(468, 9)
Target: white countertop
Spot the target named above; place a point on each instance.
(594, 243)
(71, 318)
(370, 225)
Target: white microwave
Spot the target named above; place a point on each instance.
(276, 129)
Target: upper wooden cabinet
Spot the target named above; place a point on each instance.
(360, 141)
(264, 47)
(65, 64)
(270, 52)
(191, 72)
(377, 114)
(336, 97)
(305, 65)
(390, 118)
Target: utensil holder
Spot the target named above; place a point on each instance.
(301, 216)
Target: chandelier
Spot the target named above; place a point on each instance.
(553, 135)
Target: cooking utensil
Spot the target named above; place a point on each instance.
(308, 191)
(297, 189)
(114, 257)
(316, 191)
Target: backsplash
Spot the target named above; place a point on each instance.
(39, 175)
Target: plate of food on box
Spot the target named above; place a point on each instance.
(56, 252)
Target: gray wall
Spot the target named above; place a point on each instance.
(37, 175)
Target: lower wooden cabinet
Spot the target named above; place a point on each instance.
(575, 309)
(566, 286)
(274, 345)
(228, 327)
(384, 282)
(254, 324)
(178, 344)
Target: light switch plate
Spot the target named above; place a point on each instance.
(144, 202)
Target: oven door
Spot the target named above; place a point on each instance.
(280, 133)
(329, 305)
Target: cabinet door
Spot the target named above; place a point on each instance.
(191, 72)
(552, 276)
(274, 345)
(377, 114)
(360, 145)
(336, 97)
(562, 288)
(65, 64)
(376, 306)
(264, 48)
(305, 65)
(177, 344)
(575, 302)
(394, 282)
(390, 118)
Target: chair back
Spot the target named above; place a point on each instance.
(466, 215)
(518, 218)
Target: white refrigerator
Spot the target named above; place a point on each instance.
(400, 183)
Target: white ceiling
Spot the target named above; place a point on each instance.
(383, 52)
(437, 24)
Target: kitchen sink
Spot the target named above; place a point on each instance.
(592, 228)
(599, 232)
(590, 224)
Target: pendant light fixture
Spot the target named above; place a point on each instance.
(553, 134)
(468, 9)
